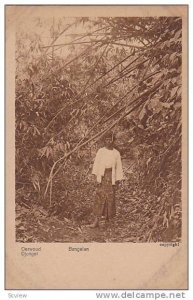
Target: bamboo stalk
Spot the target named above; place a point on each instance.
(90, 42)
(82, 144)
(82, 92)
(124, 74)
(59, 112)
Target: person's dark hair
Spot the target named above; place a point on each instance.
(109, 135)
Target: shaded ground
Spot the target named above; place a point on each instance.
(137, 220)
(140, 216)
(34, 225)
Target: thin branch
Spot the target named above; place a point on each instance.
(85, 35)
(127, 45)
(110, 82)
(146, 70)
(121, 109)
(76, 43)
(124, 74)
(117, 102)
(82, 144)
(93, 41)
(95, 65)
(63, 129)
(142, 42)
(111, 69)
(58, 113)
(59, 35)
(83, 90)
(75, 58)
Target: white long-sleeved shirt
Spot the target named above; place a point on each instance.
(106, 158)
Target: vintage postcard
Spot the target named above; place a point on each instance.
(96, 147)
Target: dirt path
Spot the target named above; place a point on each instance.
(34, 225)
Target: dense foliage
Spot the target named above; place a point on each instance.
(118, 74)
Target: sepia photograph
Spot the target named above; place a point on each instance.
(98, 118)
(98, 129)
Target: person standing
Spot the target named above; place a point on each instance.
(108, 172)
